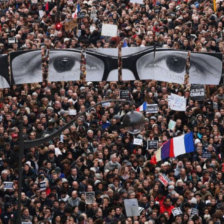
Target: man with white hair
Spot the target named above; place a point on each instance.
(113, 163)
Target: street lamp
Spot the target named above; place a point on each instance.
(133, 121)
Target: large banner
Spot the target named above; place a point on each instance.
(138, 63)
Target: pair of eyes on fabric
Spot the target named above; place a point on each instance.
(168, 65)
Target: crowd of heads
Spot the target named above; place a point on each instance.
(96, 153)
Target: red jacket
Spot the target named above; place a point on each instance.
(168, 209)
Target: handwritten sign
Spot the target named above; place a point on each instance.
(177, 103)
(172, 125)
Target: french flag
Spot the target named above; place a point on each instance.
(175, 147)
(142, 107)
(75, 14)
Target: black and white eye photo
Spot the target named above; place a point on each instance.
(4, 72)
(167, 66)
(205, 68)
(64, 65)
(26, 67)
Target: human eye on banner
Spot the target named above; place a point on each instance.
(138, 63)
(26, 67)
(64, 65)
(145, 63)
(160, 65)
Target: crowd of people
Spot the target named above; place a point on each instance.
(96, 156)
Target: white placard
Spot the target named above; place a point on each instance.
(131, 207)
(8, 185)
(177, 103)
(92, 28)
(109, 30)
(137, 1)
(172, 125)
(72, 112)
(41, 13)
(177, 211)
(11, 40)
(138, 141)
(106, 104)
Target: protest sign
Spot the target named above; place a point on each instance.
(109, 30)
(125, 94)
(172, 125)
(194, 211)
(152, 144)
(131, 207)
(197, 92)
(72, 111)
(164, 179)
(8, 185)
(137, 1)
(177, 211)
(177, 103)
(90, 197)
(43, 185)
(152, 108)
(106, 104)
(138, 141)
(206, 155)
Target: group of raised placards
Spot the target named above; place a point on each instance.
(138, 63)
